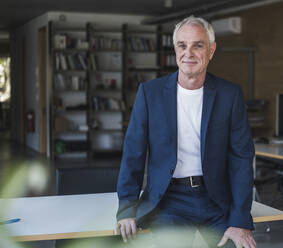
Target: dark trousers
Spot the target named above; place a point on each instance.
(181, 212)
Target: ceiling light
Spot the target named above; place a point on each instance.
(168, 3)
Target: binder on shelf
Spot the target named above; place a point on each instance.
(93, 62)
(82, 62)
(60, 82)
(63, 62)
(57, 62)
(71, 62)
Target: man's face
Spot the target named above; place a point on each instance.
(193, 50)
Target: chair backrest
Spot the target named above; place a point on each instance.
(88, 180)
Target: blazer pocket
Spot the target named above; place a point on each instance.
(218, 124)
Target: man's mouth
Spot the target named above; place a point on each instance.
(189, 62)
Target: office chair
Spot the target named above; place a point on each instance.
(270, 172)
(86, 181)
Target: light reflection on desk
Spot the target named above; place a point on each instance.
(269, 150)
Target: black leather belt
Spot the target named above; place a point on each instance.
(194, 181)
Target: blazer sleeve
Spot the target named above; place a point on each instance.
(133, 159)
(241, 154)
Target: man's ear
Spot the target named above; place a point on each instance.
(212, 50)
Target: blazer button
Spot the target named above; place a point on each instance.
(172, 171)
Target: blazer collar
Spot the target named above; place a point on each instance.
(209, 94)
(170, 107)
(172, 81)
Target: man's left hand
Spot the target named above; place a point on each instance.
(242, 238)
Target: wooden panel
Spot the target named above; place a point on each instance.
(237, 72)
(262, 29)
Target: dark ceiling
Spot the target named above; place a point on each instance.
(14, 13)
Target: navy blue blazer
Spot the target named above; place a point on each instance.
(227, 149)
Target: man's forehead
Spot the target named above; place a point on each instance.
(192, 31)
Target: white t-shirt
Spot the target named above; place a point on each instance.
(189, 111)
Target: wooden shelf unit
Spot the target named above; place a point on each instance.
(106, 73)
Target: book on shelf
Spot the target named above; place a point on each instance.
(57, 61)
(107, 104)
(74, 82)
(70, 62)
(82, 61)
(93, 62)
(140, 44)
(116, 44)
(82, 44)
(167, 42)
(63, 62)
(63, 41)
(60, 82)
(106, 43)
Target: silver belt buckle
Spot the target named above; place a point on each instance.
(192, 184)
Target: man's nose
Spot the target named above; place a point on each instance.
(189, 51)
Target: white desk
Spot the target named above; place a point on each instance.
(61, 217)
(269, 150)
(79, 216)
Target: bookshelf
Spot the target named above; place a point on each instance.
(106, 98)
(96, 71)
(140, 61)
(69, 129)
(166, 58)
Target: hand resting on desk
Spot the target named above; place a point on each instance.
(127, 227)
(241, 238)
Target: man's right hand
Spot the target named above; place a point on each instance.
(128, 228)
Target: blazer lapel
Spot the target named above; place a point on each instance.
(170, 107)
(209, 94)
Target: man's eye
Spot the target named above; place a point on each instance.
(199, 45)
(182, 46)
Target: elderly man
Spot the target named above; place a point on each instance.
(194, 128)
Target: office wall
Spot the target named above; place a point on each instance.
(26, 35)
(262, 29)
(29, 32)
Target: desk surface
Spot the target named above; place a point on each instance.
(78, 216)
(269, 150)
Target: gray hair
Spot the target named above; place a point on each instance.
(198, 21)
